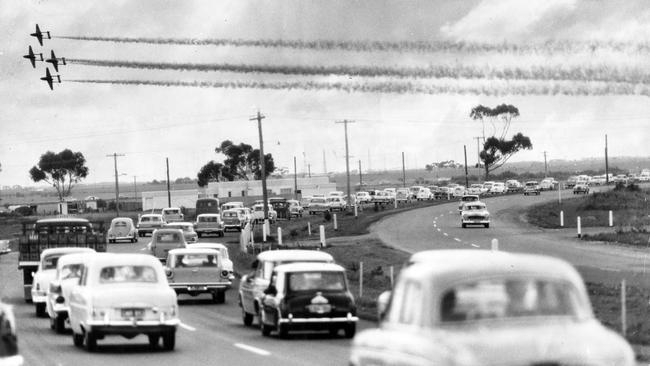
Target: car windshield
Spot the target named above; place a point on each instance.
(171, 212)
(469, 198)
(196, 260)
(149, 218)
(208, 219)
(309, 281)
(183, 227)
(318, 200)
(474, 207)
(71, 271)
(127, 273)
(508, 298)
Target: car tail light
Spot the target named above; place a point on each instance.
(60, 300)
(225, 274)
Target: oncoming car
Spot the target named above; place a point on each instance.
(467, 198)
(122, 228)
(477, 307)
(474, 213)
(123, 294)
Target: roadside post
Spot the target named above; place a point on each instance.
(561, 218)
(323, 244)
(579, 228)
(392, 274)
(355, 210)
(308, 228)
(495, 244)
(279, 236)
(395, 202)
(611, 218)
(360, 279)
(623, 309)
(336, 225)
(264, 232)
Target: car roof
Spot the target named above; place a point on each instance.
(116, 219)
(192, 251)
(207, 245)
(294, 254)
(308, 267)
(168, 230)
(116, 259)
(208, 215)
(74, 258)
(151, 215)
(62, 220)
(64, 250)
(179, 223)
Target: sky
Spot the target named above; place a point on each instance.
(152, 80)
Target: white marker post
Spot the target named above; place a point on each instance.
(264, 232)
(495, 245)
(611, 218)
(395, 202)
(559, 193)
(321, 228)
(392, 278)
(355, 211)
(336, 224)
(579, 228)
(623, 309)
(279, 236)
(308, 228)
(360, 279)
(561, 218)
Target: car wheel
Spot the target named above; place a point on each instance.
(198, 234)
(40, 309)
(283, 330)
(59, 324)
(463, 225)
(154, 339)
(266, 329)
(90, 341)
(247, 318)
(169, 340)
(77, 339)
(350, 330)
(487, 225)
(219, 297)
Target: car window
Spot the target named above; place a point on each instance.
(196, 260)
(410, 309)
(50, 262)
(127, 273)
(145, 219)
(508, 298)
(167, 237)
(71, 271)
(312, 281)
(120, 224)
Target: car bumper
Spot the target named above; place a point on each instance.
(319, 321)
(476, 222)
(132, 326)
(38, 297)
(184, 288)
(208, 231)
(127, 237)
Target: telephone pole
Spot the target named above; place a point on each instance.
(259, 117)
(478, 158)
(606, 163)
(403, 171)
(117, 185)
(466, 178)
(545, 166)
(324, 163)
(360, 175)
(169, 192)
(347, 157)
(295, 179)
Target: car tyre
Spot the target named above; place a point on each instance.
(247, 318)
(199, 234)
(463, 225)
(169, 341)
(487, 226)
(350, 330)
(266, 329)
(90, 341)
(77, 339)
(219, 297)
(154, 339)
(283, 330)
(59, 324)
(52, 325)
(40, 309)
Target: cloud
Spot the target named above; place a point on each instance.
(505, 19)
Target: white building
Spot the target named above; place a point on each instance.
(156, 200)
(275, 187)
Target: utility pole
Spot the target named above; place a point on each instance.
(135, 189)
(545, 166)
(466, 178)
(295, 179)
(259, 117)
(606, 163)
(169, 193)
(309, 170)
(360, 175)
(117, 185)
(368, 160)
(403, 171)
(347, 157)
(478, 158)
(324, 163)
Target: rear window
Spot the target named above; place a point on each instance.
(50, 261)
(208, 219)
(195, 260)
(309, 281)
(71, 271)
(172, 212)
(120, 224)
(127, 273)
(168, 237)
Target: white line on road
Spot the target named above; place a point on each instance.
(475, 246)
(187, 327)
(458, 240)
(445, 234)
(255, 350)
(145, 248)
(438, 229)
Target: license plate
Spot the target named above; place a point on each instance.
(196, 288)
(132, 313)
(320, 309)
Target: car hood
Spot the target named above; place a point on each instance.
(133, 295)
(521, 343)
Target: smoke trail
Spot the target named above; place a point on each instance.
(394, 87)
(601, 73)
(551, 46)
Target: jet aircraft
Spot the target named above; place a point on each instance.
(49, 78)
(33, 57)
(41, 35)
(55, 61)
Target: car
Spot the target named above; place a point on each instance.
(123, 294)
(531, 187)
(231, 205)
(165, 239)
(208, 223)
(571, 181)
(442, 193)
(477, 307)
(226, 262)
(363, 197)
(9, 355)
(233, 219)
(513, 185)
(475, 189)
(498, 188)
(403, 195)
(68, 272)
(46, 272)
(621, 179)
(122, 228)
(295, 208)
(487, 185)
(195, 271)
(392, 192)
(465, 199)
(308, 296)
(147, 223)
(415, 190)
(252, 285)
(187, 228)
(318, 205)
(474, 213)
(248, 213)
(172, 214)
(458, 191)
(4, 246)
(424, 194)
(598, 180)
(548, 184)
(336, 194)
(581, 187)
(258, 213)
(336, 203)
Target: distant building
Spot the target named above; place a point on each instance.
(275, 187)
(156, 200)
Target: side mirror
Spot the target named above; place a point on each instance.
(168, 272)
(382, 305)
(271, 290)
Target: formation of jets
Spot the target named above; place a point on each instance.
(55, 61)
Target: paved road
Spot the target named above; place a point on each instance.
(211, 334)
(438, 227)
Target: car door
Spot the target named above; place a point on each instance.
(270, 302)
(252, 287)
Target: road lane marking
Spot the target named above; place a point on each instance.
(445, 234)
(255, 350)
(475, 246)
(187, 327)
(145, 248)
(438, 229)
(458, 240)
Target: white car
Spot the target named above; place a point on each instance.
(475, 189)
(466, 199)
(479, 307)
(498, 188)
(336, 203)
(474, 213)
(363, 197)
(126, 295)
(548, 184)
(68, 273)
(122, 228)
(187, 228)
(226, 262)
(172, 214)
(46, 272)
(257, 212)
(424, 194)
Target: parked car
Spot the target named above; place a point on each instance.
(467, 198)
(122, 228)
(295, 208)
(317, 205)
(226, 262)
(147, 223)
(474, 213)
(172, 214)
(187, 228)
(392, 192)
(165, 239)
(9, 355)
(231, 205)
(68, 272)
(621, 179)
(252, 285)
(424, 194)
(336, 194)
(513, 185)
(46, 272)
(233, 219)
(581, 187)
(123, 294)
(458, 191)
(415, 190)
(208, 223)
(498, 188)
(336, 203)
(308, 296)
(363, 197)
(475, 189)
(258, 213)
(403, 195)
(195, 271)
(487, 185)
(548, 184)
(571, 181)
(476, 307)
(531, 187)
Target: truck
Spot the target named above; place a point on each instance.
(55, 233)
